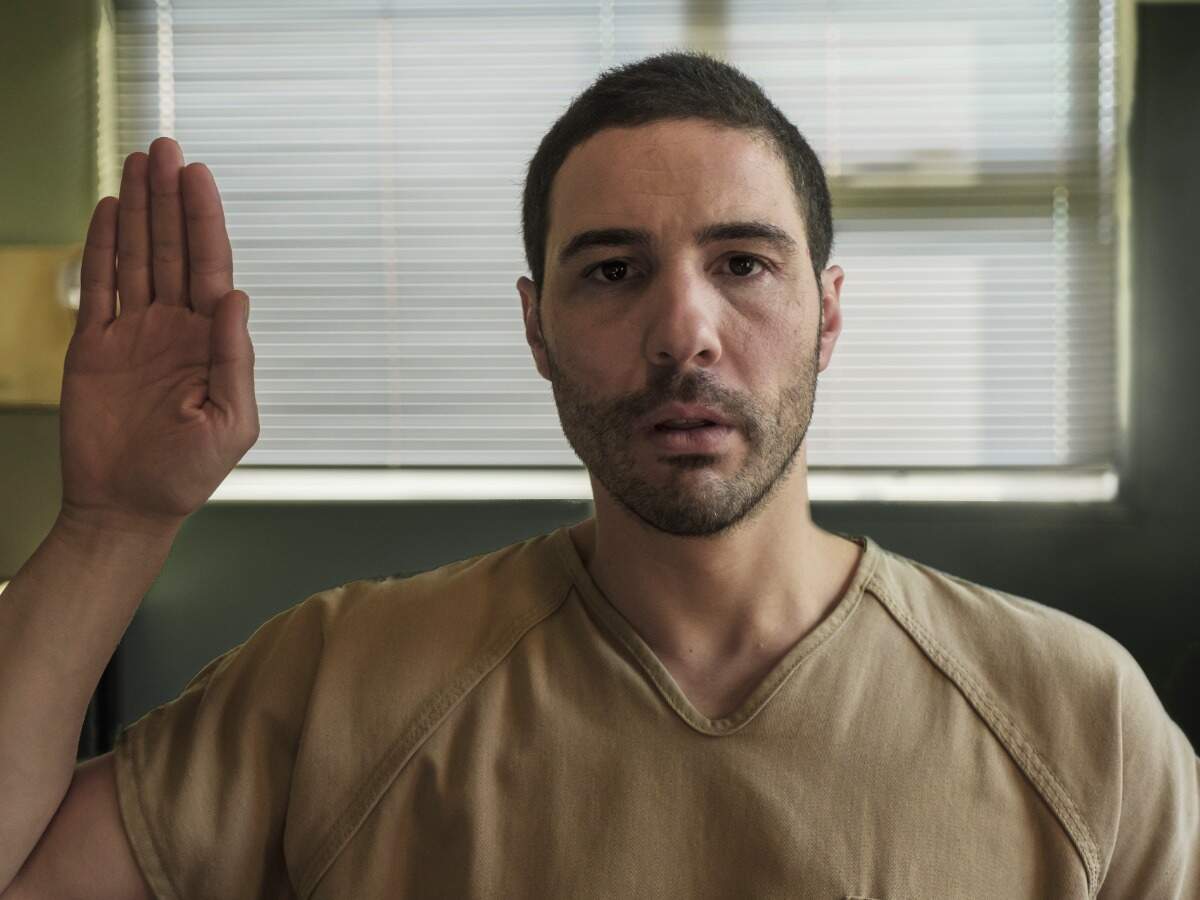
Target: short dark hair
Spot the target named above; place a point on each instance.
(674, 85)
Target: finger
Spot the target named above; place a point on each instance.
(97, 273)
(210, 258)
(134, 274)
(167, 235)
(231, 379)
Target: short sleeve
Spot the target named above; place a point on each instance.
(204, 780)
(1157, 847)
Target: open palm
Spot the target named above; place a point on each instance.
(157, 401)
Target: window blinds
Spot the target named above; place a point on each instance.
(371, 158)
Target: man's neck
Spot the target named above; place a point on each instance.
(701, 603)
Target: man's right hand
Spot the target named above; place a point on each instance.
(157, 402)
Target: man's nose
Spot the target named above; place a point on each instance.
(683, 317)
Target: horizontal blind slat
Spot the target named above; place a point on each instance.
(371, 155)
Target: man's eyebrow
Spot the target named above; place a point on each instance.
(777, 237)
(783, 242)
(604, 237)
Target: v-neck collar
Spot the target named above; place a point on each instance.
(660, 676)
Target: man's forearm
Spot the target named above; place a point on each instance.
(61, 619)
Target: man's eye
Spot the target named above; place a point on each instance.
(737, 264)
(615, 271)
(612, 271)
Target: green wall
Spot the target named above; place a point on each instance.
(49, 100)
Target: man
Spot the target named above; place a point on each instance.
(695, 693)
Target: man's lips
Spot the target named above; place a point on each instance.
(702, 439)
(685, 412)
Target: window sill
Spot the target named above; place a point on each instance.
(268, 484)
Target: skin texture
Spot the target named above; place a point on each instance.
(712, 557)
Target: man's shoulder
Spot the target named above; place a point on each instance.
(1054, 689)
(994, 634)
(431, 624)
(470, 596)
(399, 654)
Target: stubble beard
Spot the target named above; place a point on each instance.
(677, 499)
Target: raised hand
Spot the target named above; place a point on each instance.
(157, 401)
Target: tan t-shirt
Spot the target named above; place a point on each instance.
(496, 728)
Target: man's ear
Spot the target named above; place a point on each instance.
(533, 331)
(831, 312)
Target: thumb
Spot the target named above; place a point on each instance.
(231, 378)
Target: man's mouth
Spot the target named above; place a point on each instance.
(683, 426)
(697, 437)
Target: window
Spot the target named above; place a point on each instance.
(371, 158)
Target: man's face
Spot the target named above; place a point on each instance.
(732, 324)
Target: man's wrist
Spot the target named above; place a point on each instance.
(87, 529)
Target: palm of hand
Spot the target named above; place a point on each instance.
(143, 382)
